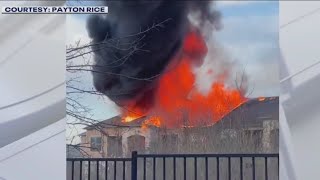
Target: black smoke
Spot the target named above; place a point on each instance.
(127, 62)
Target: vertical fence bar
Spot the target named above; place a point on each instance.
(229, 168)
(144, 168)
(266, 168)
(115, 170)
(278, 167)
(72, 170)
(241, 168)
(154, 168)
(184, 168)
(134, 165)
(124, 169)
(195, 168)
(97, 170)
(106, 171)
(174, 168)
(218, 169)
(164, 168)
(89, 169)
(253, 169)
(80, 170)
(207, 175)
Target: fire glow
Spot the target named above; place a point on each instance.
(130, 118)
(177, 101)
(261, 98)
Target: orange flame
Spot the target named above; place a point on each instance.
(129, 118)
(261, 98)
(178, 103)
(132, 114)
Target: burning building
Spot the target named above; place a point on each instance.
(153, 65)
(252, 127)
(159, 63)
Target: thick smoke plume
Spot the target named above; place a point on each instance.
(136, 42)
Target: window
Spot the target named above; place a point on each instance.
(114, 145)
(136, 143)
(95, 144)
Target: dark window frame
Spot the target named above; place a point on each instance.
(94, 145)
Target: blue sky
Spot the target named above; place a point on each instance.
(249, 8)
(249, 35)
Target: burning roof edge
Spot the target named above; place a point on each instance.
(117, 121)
(262, 99)
(257, 100)
(250, 109)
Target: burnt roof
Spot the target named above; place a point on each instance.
(252, 113)
(117, 121)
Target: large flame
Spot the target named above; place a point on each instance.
(178, 102)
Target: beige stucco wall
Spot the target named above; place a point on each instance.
(116, 131)
(85, 141)
(268, 127)
(189, 140)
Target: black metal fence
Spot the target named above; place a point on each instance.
(176, 167)
(98, 168)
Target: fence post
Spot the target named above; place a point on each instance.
(134, 165)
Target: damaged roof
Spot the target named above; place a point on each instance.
(117, 121)
(252, 113)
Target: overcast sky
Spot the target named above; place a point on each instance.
(249, 35)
